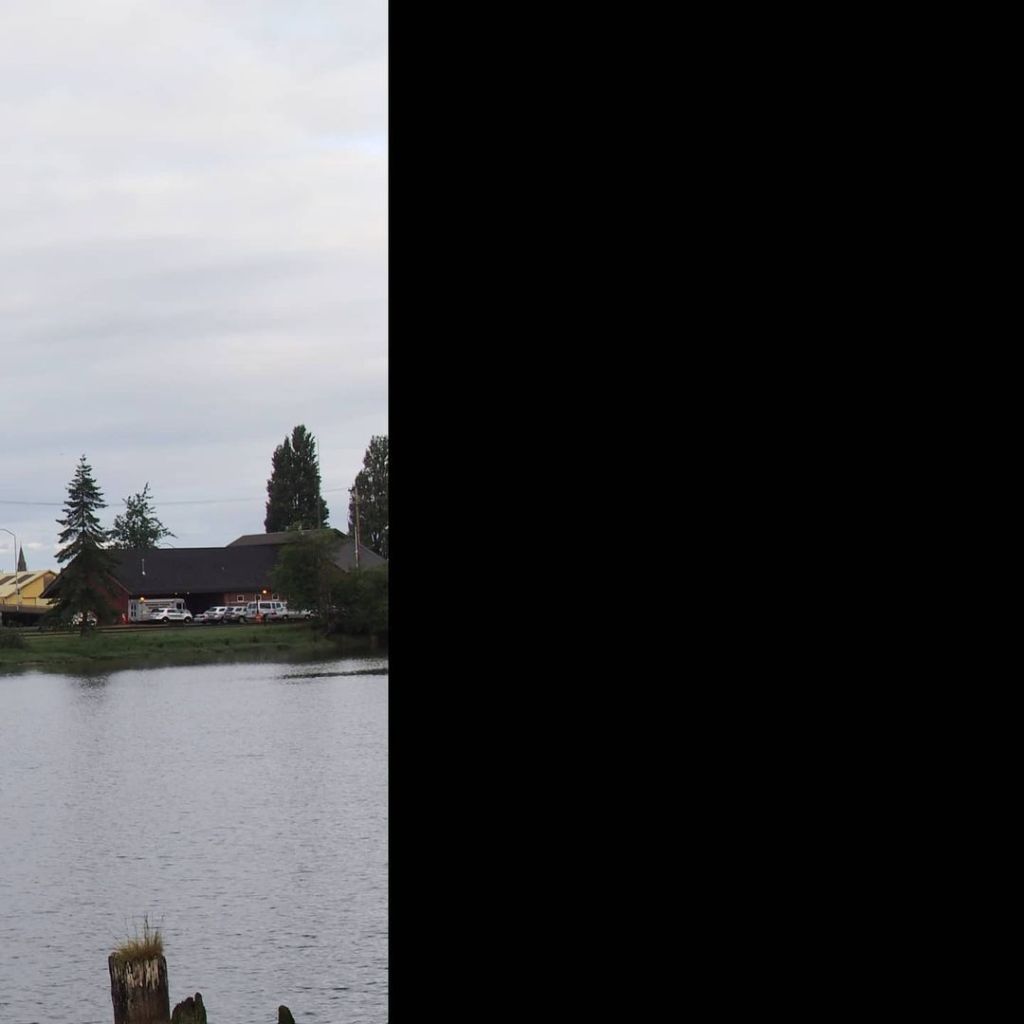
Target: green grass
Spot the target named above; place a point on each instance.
(139, 646)
(142, 947)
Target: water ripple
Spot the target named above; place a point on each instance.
(247, 818)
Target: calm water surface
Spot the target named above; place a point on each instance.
(243, 808)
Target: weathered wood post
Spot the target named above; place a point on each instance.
(138, 990)
(190, 1011)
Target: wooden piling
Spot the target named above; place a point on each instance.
(190, 1011)
(138, 990)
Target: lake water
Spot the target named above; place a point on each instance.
(242, 808)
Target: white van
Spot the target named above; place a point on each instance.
(272, 611)
(144, 610)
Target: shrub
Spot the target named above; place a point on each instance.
(11, 641)
(361, 599)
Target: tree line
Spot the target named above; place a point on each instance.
(294, 502)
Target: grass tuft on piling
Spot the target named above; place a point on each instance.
(146, 946)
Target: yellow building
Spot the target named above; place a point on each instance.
(21, 592)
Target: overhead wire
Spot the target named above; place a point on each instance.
(189, 501)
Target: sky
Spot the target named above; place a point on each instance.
(193, 255)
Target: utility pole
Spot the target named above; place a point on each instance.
(17, 583)
(316, 442)
(356, 489)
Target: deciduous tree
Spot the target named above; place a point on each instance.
(353, 601)
(305, 572)
(360, 600)
(138, 527)
(293, 490)
(372, 487)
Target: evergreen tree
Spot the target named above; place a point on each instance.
(372, 487)
(22, 565)
(86, 585)
(138, 527)
(293, 490)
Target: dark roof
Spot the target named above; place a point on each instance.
(345, 557)
(281, 537)
(166, 571)
(195, 570)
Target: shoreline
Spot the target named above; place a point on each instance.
(131, 647)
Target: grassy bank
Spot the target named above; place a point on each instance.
(141, 646)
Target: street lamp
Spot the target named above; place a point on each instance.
(17, 586)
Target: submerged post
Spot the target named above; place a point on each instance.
(190, 1011)
(138, 990)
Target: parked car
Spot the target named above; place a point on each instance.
(235, 613)
(76, 619)
(212, 614)
(266, 611)
(166, 615)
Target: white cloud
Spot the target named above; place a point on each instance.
(193, 250)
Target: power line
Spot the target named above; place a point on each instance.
(192, 501)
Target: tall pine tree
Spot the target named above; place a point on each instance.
(372, 488)
(86, 585)
(293, 490)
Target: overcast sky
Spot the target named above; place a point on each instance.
(193, 255)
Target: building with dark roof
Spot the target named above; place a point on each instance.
(201, 576)
(343, 555)
(206, 577)
(283, 537)
(213, 573)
